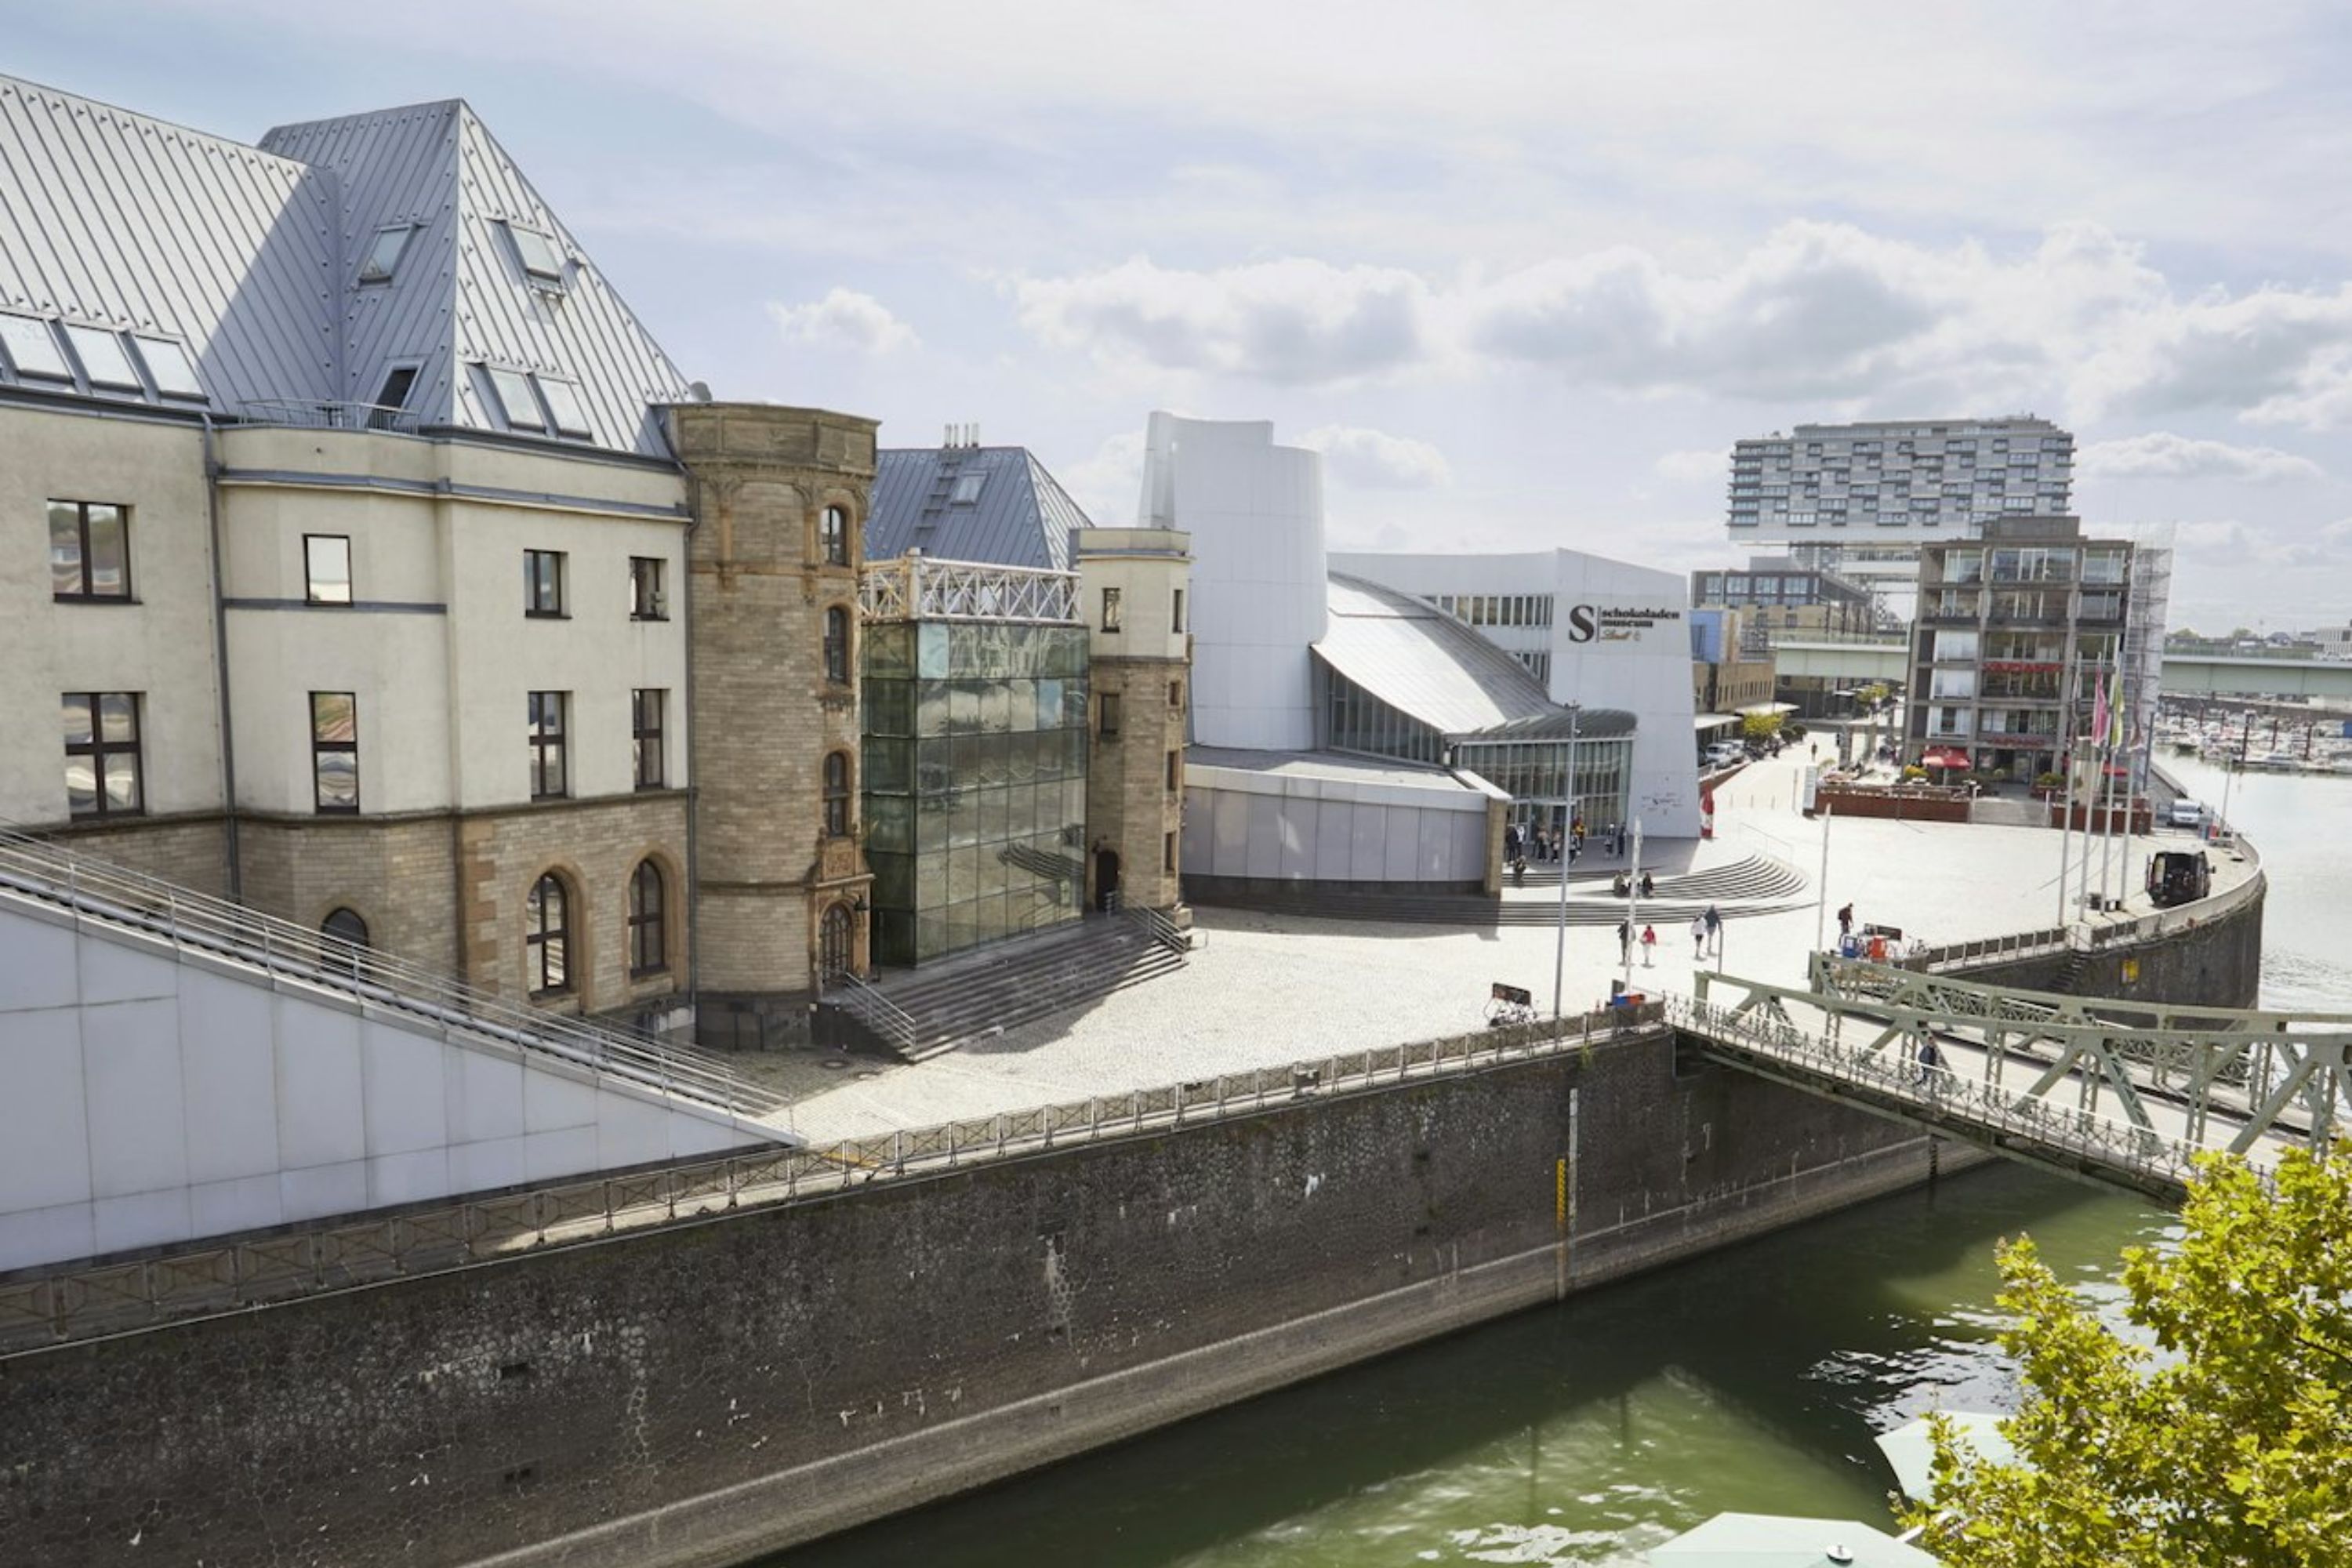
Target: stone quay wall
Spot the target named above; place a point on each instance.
(699, 1394)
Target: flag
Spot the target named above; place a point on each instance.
(2099, 715)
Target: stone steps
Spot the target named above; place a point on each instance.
(990, 993)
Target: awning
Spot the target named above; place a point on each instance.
(1703, 722)
(1910, 1450)
(1944, 758)
(1769, 1540)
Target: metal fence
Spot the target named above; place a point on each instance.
(124, 1295)
(193, 923)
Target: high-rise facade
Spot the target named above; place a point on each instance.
(1863, 497)
(2020, 632)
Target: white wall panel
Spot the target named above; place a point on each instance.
(131, 1089)
(43, 1128)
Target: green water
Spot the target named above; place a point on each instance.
(1752, 1379)
(1586, 1433)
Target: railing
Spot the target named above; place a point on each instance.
(37, 1311)
(1937, 1094)
(193, 922)
(318, 415)
(1162, 929)
(876, 1011)
(915, 587)
(1990, 950)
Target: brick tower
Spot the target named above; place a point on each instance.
(1132, 587)
(780, 498)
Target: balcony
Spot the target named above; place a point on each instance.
(313, 415)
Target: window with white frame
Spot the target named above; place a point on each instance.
(540, 261)
(32, 348)
(385, 252)
(563, 405)
(168, 366)
(103, 361)
(516, 401)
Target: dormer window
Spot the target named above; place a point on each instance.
(103, 361)
(512, 388)
(563, 405)
(168, 366)
(541, 262)
(383, 252)
(967, 489)
(33, 348)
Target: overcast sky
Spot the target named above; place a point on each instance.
(1523, 271)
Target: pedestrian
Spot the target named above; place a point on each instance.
(1648, 886)
(1845, 921)
(1698, 936)
(1930, 1059)
(1520, 872)
(1625, 941)
(1649, 943)
(1510, 841)
(1714, 927)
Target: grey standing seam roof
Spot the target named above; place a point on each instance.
(1425, 664)
(250, 255)
(1022, 516)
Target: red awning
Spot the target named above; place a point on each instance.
(1946, 759)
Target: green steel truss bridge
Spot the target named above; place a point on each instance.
(2111, 1093)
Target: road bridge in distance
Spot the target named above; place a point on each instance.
(2115, 1093)
(1888, 659)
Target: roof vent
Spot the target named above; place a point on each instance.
(699, 390)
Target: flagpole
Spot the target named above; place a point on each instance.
(2070, 685)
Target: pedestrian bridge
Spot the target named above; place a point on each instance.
(2123, 1096)
(1889, 659)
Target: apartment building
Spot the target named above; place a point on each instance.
(1861, 498)
(2018, 630)
(1783, 596)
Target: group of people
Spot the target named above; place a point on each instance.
(1706, 936)
(1545, 846)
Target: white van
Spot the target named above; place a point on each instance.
(1723, 753)
(2186, 813)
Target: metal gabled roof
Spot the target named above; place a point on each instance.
(249, 256)
(1020, 517)
(1427, 664)
(115, 220)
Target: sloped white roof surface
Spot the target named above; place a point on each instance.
(251, 256)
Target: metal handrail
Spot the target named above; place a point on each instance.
(194, 922)
(1161, 928)
(877, 1012)
(317, 414)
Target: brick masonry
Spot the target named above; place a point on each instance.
(762, 712)
(697, 1394)
(192, 851)
(1130, 810)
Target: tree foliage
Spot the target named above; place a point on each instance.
(2216, 1429)
(1761, 726)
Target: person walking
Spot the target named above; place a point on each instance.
(1624, 942)
(1698, 936)
(1845, 921)
(1649, 945)
(1713, 918)
(1510, 841)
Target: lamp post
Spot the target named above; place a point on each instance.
(1567, 833)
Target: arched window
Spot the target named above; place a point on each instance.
(836, 646)
(547, 937)
(837, 940)
(836, 794)
(346, 928)
(648, 945)
(832, 536)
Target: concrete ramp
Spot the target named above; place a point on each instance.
(163, 1079)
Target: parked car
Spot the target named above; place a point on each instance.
(2185, 814)
(1723, 753)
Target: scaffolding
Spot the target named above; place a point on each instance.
(2146, 607)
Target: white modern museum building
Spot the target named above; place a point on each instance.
(1368, 721)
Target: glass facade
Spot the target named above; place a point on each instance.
(975, 782)
(1533, 771)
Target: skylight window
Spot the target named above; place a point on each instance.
(563, 405)
(536, 253)
(515, 399)
(102, 358)
(167, 363)
(32, 348)
(967, 489)
(383, 254)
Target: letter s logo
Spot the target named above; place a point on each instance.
(1580, 625)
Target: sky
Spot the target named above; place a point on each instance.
(1522, 271)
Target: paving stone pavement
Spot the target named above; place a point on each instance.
(1265, 989)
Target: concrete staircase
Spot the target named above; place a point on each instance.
(1756, 885)
(920, 1012)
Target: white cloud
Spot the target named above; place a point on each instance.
(1696, 465)
(1816, 312)
(2162, 455)
(1109, 486)
(843, 318)
(1374, 459)
(1293, 320)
